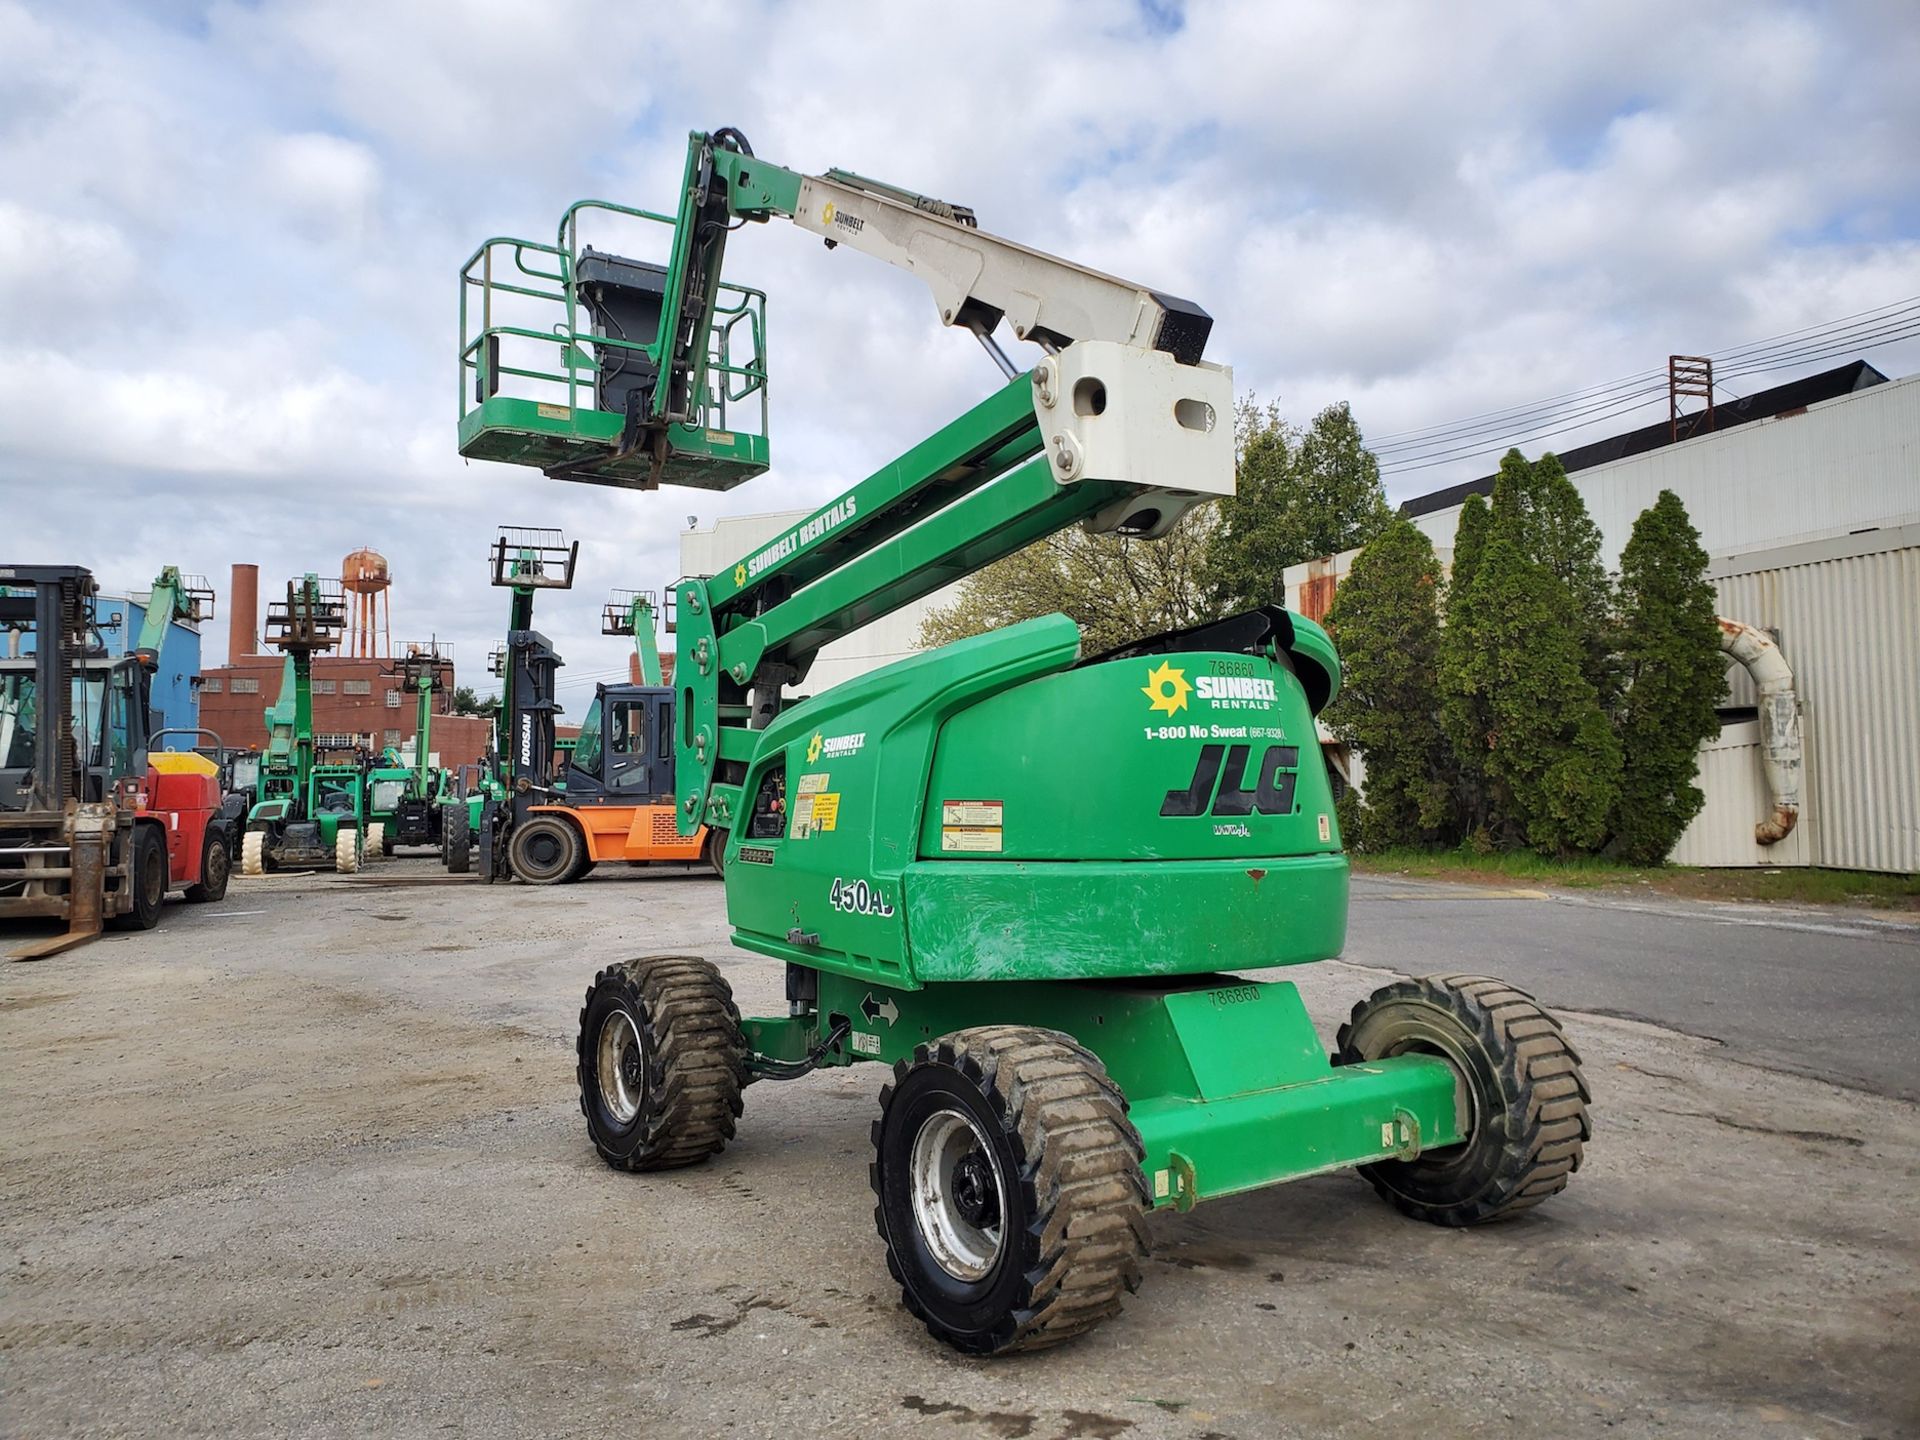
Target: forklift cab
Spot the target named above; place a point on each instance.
(108, 716)
(624, 755)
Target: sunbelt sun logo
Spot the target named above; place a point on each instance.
(1166, 689)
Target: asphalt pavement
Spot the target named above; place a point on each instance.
(1832, 994)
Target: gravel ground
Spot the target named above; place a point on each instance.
(311, 1163)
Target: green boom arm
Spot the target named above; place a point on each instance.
(1119, 426)
(173, 597)
(630, 612)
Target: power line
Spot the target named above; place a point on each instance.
(1398, 438)
(1883, 325)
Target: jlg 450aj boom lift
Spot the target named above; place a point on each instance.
(1011, 872)
(95, 826)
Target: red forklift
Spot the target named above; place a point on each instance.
(95, 827)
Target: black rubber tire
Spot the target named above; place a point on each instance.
(456, 837)
(1075, 1198)
(714, 852)
(147, 880)
(543, 850)
(216, 869)
(691, 1054)
(1523, 1084)
(582, 865)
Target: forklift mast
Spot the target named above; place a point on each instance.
(524, 559)
(53, 604)
(531, 717)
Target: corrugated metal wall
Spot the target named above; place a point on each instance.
(1847, 612)
(1735, 786)
(1833, 468)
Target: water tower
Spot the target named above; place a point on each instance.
(365, 576)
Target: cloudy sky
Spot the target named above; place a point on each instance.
(229, 234)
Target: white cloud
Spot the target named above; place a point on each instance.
(228, 238)
(327, 184)
(58, 274)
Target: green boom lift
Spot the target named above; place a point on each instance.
(1021, 876)
(306, 814)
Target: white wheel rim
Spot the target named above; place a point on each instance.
(621, 1063)
(950, 1167)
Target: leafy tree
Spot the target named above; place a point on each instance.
(1465, 675)
(1298, 495)
(1117, 589)
(465, 702)
(1673, 672)
(1552, 756)
(1386, 619)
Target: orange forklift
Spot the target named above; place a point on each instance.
(612, 797)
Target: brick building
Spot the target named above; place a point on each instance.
(358, 702)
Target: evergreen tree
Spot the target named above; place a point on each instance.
(1386, 620)
(1298, 495)
(1556, 531)
(1552, 757)
(1674, 673)
(1464, 675)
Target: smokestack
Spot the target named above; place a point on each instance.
(243, 614)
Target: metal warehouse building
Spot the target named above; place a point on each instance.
(1808, 505)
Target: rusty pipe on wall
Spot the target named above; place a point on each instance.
(1780, 747)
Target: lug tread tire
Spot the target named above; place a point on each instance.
(1538, 1102)
(457, 835)
(253, 853)
(697, 1061)
(377, 842)
(1080, 1175)
(346, 851)
(146, 854)
(207, 892)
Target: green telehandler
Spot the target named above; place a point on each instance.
(631, 612)
(1025, 878)
(407, 800)
(306, 814)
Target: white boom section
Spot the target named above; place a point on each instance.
(1122, 395)
(970, 271)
